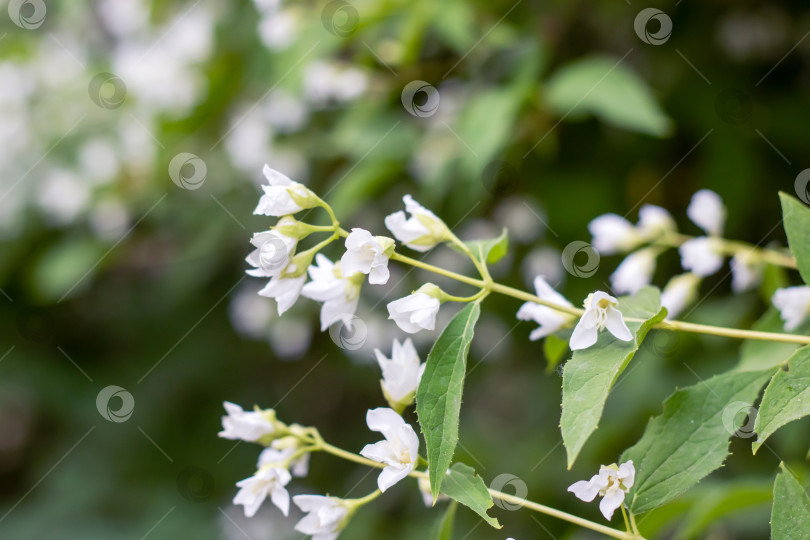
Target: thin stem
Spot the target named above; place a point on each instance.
(577, 312)
(626, 520)
(519, 501)
(479, 265)
(365, 500)
(633, 523)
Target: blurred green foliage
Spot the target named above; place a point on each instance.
(136, 283)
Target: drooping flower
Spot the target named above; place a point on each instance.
(401, 374)
(600, 313)
(612, 483)
(339, 294)
(400, 449)
(283, 196)
(422, 231)
(285, 290)
(679, 293)
(635, 271)
(267, 481)
(701, 255)
(793, 304)
(368, 255)
(272, 253)
(707, 211)
(549, 319)
(746, 272)
(247, 426)
(326, 516)
(613, 234)
(417, 311)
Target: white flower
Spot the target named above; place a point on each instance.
(653, 221)
(679, 293)
(283, 196)
(613, 234)
(247, 426)
(255, 489)
(400, 449)
(549, 319)
(415, 312)
(280, 451)
(701, 255)
(635, 271)
(272, 253)
(422, 231)
(285, 290)
(338, 294)
(793, 304)
(612, 483)
(326, 516)
(401, 374)
(368, 255)
(746, 273)
(707, 211)
(600, 313)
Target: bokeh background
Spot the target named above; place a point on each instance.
(132, 136)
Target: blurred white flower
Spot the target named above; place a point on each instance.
(272, 253)
(279, 30)
(63, 196)
(326, 83)
(679, 293)
(549, 319)
(283, 196)
(635, 271)
(653, 221)
(422, 231)
(701, 255)
(339, 294)
(746, 272)
(326, 516)
(401, 374)
(415, 312)
(612, 483)
(267, 481)
(98, 161)
(368, 255)
(242, 425)
(793, 304)
(280, 454)
(285, 112)
(613, 234)
(707, 211)
(600, 313)
(400, 449)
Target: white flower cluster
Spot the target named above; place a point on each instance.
(337, 285)
(288, 447)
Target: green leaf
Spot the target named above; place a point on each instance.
(438, 398)
(790, 517)
(488, 251)
(796, 217)
(443, 529)
(690, 439)
(607, 89)
(787, 397)
(463, 485)
(590, 373)
(554, 349)
(756, 355)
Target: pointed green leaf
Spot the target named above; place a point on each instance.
(607, 89)
(787, 397)
(488, 251)
(438, 398)
(690, 438)
(797, 226)
(790, 517)
(443, 529)
(590, 373)
(463, 485)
